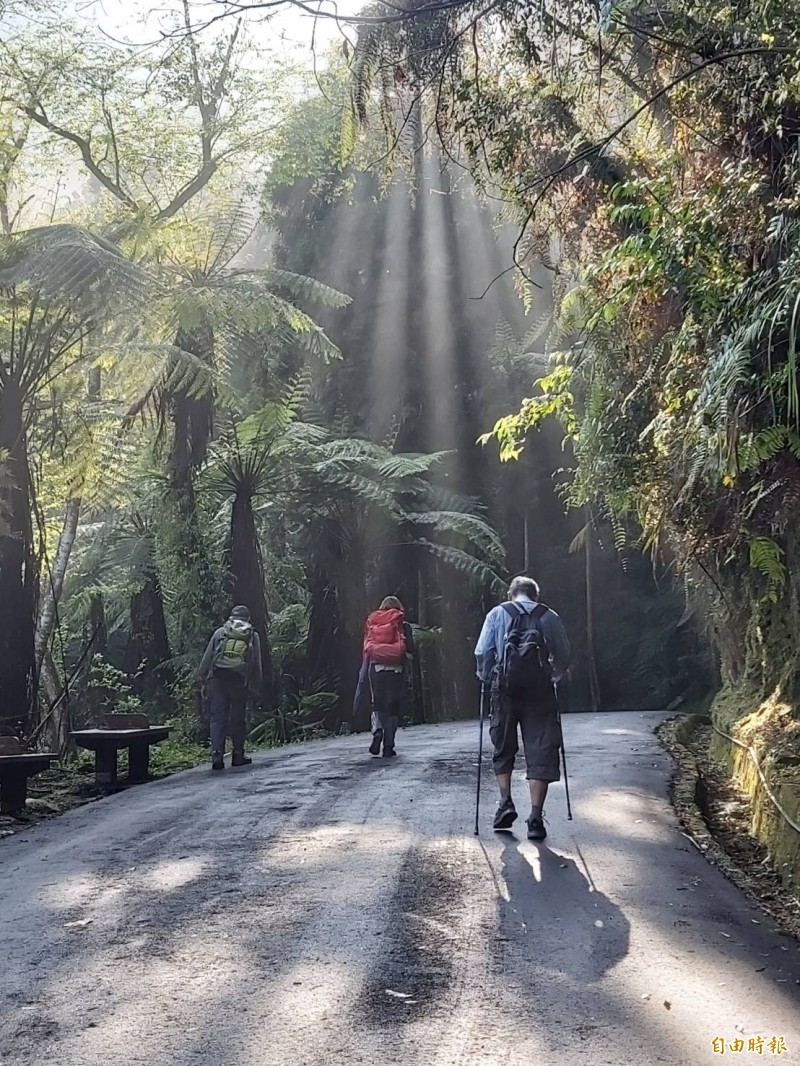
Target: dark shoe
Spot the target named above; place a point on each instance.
(377, 740)
(217, 761)
(536, 829)
(505, 815)
(240, 759)
(389, 753)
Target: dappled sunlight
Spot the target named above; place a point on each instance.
(74, 890)
(172, 874)
(140, 1011)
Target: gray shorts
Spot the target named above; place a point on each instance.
(541, 736)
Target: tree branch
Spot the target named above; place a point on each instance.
(83, 144)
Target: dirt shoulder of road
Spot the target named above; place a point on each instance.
(717, 816)
(71, 784)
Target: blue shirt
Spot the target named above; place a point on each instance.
(489, 649)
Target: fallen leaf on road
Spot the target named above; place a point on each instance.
(79, 924)
(667, 1004)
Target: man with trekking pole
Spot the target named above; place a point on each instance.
(523, 658)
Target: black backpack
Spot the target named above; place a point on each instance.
(525, 669)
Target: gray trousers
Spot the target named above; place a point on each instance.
(387, 691)
(227, 703)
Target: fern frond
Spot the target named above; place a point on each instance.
(467, 564)
(69, 263)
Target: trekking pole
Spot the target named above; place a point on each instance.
(560, 697)
(480, 756)
(566, 779)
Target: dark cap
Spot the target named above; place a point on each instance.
(241, 612)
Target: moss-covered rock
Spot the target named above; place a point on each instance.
(765, 728)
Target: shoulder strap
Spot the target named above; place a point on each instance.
(514, 611)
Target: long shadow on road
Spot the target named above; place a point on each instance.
(571, 929)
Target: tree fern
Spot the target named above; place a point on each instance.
(766, 557)
(67, 262)
(473, 568)
(469, 526)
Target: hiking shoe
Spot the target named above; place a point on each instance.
(240, 759)
(505, 815)
(377, 740)
(536, 829)
(217, 761)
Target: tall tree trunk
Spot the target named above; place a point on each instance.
(247, 584)
(180, 534)
(594, 680)
(98, 636)
(54, 582)
(17, 570)
(59, 722)
(147, 652)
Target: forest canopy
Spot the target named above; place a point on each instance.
(256, 320)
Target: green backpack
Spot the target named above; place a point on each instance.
(235, 646)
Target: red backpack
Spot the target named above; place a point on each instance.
(385, 638)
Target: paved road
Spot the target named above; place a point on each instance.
(323, 908)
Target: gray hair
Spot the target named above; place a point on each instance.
(523, 586)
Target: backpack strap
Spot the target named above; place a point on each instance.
(538, 611)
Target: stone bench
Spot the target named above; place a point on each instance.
(15, 768)
(117, 731)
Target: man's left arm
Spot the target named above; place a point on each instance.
(558, 643)
(256, 672)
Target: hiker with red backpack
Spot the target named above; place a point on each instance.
(229, 668)
(388, 641)
(523, 655)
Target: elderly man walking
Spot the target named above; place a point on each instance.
(523, 654)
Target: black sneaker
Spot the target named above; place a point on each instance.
(377, 740)
(536, 829)
(505, 815)
(389, 753)
(240, 759)
(217, 761)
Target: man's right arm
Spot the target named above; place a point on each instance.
(485, 650)
(208, 659)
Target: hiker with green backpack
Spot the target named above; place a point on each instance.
(231, 665)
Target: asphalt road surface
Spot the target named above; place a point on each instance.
(323, 908)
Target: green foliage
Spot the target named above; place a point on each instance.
(113, 688)
(766, 557)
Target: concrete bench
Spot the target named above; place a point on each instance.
(15, 768)
(117, 731)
